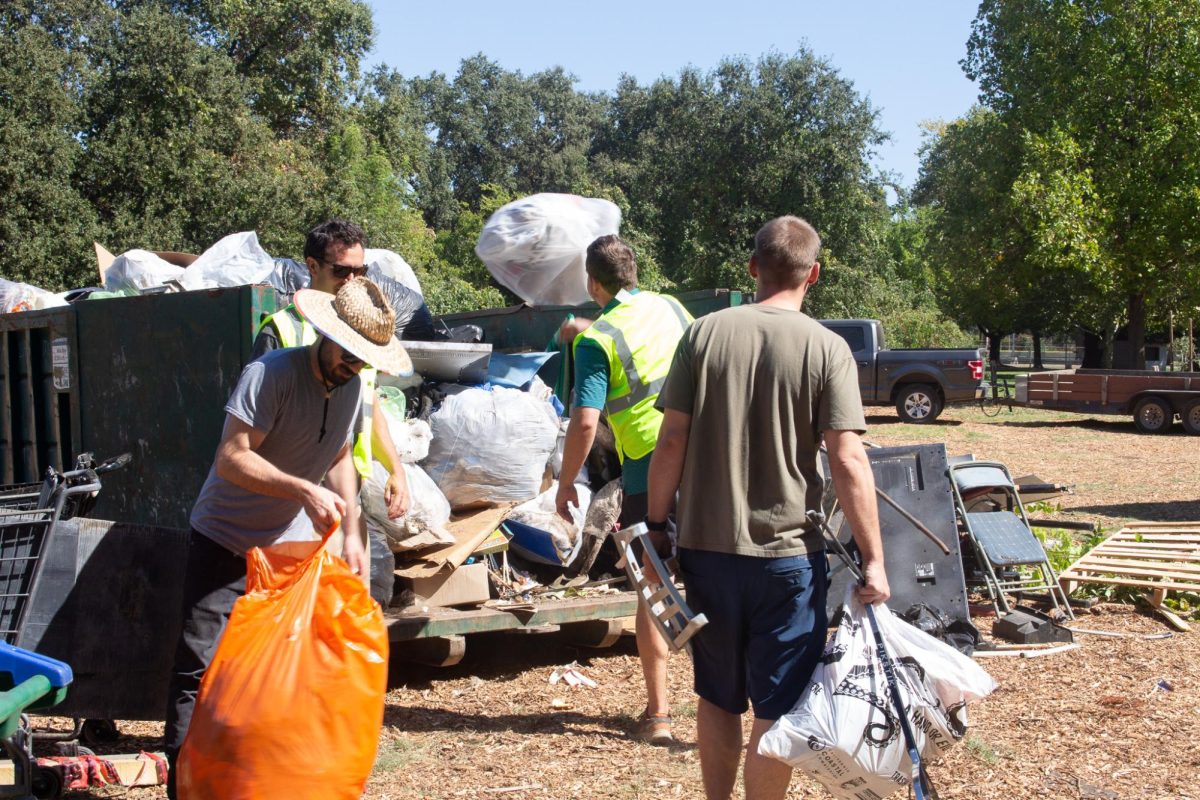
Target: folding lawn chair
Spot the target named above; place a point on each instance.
(1010, 557)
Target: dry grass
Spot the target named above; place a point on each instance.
(1093, 723)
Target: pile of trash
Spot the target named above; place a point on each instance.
(236, 260)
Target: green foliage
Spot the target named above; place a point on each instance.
(1094, 156)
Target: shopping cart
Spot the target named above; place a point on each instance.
(25, 526)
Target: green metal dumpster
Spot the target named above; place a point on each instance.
(155, 372)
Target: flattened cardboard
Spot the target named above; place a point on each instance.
(468, 531)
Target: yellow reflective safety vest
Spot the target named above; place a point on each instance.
(295, 331)
(639, 337)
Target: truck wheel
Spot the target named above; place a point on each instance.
(1153, 415)
(919, 403)
(1191, 417)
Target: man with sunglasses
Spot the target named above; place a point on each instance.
(334, 254)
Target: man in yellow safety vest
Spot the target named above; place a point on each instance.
(621, 362)
(334, 254)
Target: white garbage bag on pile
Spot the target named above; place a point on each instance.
(236, 260)
(844, 731)
(16, 297)
(424, 525)
(391, 265)
(540, 513)
(139, 269)
(490, 446)
(536, 246)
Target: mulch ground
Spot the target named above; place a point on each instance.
(1116, 718)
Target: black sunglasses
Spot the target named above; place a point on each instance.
(344, 270)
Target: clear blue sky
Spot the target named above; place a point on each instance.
(903, 56)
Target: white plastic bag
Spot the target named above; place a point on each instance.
(540, 513)
(490, 447)
(844, 731)
(236, 260)
(139, 269)
(536, 246)
(392, 265)
(424, 525)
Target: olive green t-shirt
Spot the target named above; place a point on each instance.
(761, 384)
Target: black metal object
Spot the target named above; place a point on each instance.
(914, 476)
(107, 601)
(1024, 625)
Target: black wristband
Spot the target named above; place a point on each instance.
(657, 527)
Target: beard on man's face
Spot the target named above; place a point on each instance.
(334, 371)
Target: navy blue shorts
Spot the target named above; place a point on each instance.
(766, 627)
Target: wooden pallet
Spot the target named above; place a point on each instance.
(1159, 556)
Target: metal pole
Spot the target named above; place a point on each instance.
(1171, 341)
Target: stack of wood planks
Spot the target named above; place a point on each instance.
(1160, 556)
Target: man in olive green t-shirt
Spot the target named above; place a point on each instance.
(751, 393)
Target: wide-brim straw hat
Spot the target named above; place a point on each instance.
(360, 319)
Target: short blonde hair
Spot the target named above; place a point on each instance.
(785, 250)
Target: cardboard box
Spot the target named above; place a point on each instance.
(465, 585)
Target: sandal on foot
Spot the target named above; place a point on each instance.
(654, 730)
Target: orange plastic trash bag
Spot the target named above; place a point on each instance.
(292, 704)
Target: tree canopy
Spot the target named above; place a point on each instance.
(167, 125)
(1072, 193)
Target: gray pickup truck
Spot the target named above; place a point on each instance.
(920, 383)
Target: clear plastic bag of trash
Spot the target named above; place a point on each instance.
(391, 265)
(424, 525)
(236, 260)
(16, 297)
(139, 269)
(490, 446)
(845, 733)
(410, 436)
(536, 246)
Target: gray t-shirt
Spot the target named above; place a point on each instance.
(277, 395)
(761, 384)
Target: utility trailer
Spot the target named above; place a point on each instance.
(1153, 399)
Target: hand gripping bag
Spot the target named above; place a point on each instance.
(844, 731)
(292, 704)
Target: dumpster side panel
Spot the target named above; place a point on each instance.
(156, 373)
(39, 408)
(107, 601)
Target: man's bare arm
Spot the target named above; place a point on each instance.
(239, 463)
(855, 486)
(581, 434)
(342, 478)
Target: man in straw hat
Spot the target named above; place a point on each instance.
(288, 427)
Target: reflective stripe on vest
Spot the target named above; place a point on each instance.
(362, 445)
(295, 331)
(639, 337)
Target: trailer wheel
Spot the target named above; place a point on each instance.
(919, 403)
(1191, 417)
(1153, 415)
(46, 783)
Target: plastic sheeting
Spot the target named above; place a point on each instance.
(236, 260)
(139, 269)
(391, 265)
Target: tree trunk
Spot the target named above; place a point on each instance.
(1110, 344)
(1093, 351)
(1037, 350)
(994, 339)
(1137, 330)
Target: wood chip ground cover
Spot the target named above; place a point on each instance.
(1114, 719)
